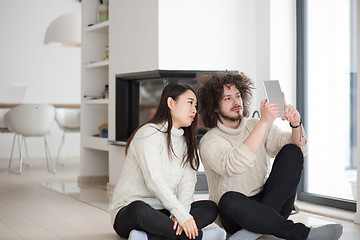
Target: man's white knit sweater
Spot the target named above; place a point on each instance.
(149, 175)
(231, 166)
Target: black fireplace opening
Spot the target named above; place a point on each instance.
(138, 95)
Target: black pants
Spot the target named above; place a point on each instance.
(267, 212)
(157, 224)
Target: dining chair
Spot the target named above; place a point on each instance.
(30, 120)
(68, 120)
(3, 127)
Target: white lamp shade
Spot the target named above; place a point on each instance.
(64, 30)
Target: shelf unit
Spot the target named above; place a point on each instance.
(94, 78)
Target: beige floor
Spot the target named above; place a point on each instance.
(40, 205)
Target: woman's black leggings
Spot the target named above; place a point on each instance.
(157, 224)
(268, 211)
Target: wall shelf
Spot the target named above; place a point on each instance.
(97, 102)
(99, 27)
(96, 143)
(102, 63)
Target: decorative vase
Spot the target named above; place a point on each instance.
(102, 13)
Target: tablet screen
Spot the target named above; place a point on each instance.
(273, 94)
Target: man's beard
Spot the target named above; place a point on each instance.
(230, 118)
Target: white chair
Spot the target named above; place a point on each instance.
(3, 127)
(30, 120)
(68, 120)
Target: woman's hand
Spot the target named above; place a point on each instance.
(190, 229)
(176, 225)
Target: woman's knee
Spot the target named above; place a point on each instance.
(205, 207)
(136, 209)
(212, 209)
(128, 218)
(210, 205)
(136, 205)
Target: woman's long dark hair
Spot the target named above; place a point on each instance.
(162, 114)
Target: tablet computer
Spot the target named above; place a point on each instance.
(274, 94)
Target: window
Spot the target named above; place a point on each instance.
(326, 83)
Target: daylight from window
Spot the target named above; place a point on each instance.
(331, 164)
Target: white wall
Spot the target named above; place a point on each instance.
(283, 51)
(52, 74)
(275, 48)
(283, 46)
(199, 35)
(207, 35)
(262, 50)
(133, 36)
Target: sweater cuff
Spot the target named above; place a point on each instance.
(181, 215)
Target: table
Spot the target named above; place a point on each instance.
(57, 105)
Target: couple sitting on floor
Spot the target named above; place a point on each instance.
(154, 196)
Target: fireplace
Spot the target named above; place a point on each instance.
(138, 95)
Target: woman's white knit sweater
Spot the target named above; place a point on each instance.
(231, 166)
(150, 176)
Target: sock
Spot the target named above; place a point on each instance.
(244, 234)
(326, 232)
(137, 235)
(215, 233)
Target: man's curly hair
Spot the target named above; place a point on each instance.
(210, 91)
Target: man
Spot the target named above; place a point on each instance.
(252, 198)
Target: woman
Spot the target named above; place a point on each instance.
(153, 198)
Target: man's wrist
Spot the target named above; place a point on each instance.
(295, 124)
(262, 122)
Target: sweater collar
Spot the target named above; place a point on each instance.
(232, 131)
(174, 130)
